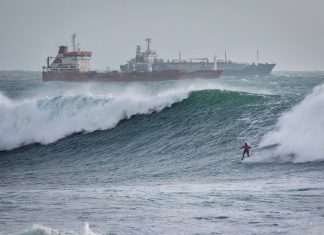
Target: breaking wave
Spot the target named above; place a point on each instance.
(46, 119)
(49, 119)
(300, 132)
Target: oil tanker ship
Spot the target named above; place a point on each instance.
(245, 69)
(228, 67)
(74, 66)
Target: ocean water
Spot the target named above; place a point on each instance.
(162, 158)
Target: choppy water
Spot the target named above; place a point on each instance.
(162, 158)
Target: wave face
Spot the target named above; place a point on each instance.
(300, 131)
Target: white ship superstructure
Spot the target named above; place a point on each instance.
(73, 61)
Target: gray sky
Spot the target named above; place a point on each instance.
(288, 32)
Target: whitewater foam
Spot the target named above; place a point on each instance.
(300, 131)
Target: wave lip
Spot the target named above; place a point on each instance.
(300, 131)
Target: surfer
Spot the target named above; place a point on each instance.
(246, 148)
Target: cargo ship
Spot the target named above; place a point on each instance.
(74, 66)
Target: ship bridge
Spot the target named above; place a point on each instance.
(70, 61)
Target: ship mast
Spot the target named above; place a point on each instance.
(73, 42)
(225, 57)
(148, 44)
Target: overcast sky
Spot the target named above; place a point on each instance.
(288, 32)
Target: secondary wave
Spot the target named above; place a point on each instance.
(300, 132)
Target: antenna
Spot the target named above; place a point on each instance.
(179, 56)
(73, 42)
(148, 44)
(257, 61)
(225, 57)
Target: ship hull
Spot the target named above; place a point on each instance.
(128, 77)
(259, 70)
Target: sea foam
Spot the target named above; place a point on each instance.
(300, 131)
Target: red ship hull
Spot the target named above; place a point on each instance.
(129, 77)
